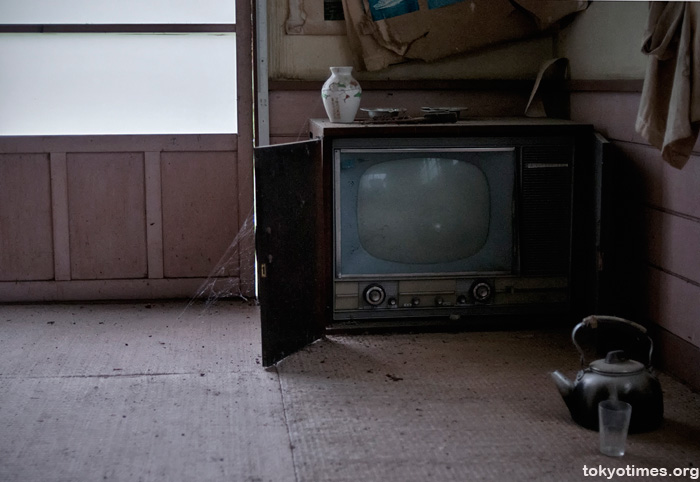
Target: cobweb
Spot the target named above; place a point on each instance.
(230, 276)
(226, 279)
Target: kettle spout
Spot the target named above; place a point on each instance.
(564, 385)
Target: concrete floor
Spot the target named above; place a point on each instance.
(165, 392)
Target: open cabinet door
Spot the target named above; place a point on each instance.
(289, 215)
(610, 293)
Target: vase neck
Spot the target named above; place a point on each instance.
(341, 70)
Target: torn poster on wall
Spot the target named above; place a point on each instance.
(386, 32)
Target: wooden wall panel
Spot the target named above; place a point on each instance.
(200, 212)
(662, 186)
(107, 215)
(673, 303)
(81, 217)
(673, 243)
(26, 241)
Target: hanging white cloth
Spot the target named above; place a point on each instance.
(669, 110)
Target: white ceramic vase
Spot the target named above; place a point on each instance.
(341, 95)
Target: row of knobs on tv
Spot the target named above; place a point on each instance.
(375, 295)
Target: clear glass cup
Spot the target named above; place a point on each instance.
(613, 424)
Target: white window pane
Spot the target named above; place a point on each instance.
(117, 84)
(117, 11)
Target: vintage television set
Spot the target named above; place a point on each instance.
(386, 224)
(451, 226)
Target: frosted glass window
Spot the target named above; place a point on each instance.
(89, 83)
(116, 11)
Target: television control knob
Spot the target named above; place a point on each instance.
(439, 301)
(415, 301)
(481, 291)
(374, 295)
(462, 300)
(391, 302)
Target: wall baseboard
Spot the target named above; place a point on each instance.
(124, 290)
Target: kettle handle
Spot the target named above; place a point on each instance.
(592, 322)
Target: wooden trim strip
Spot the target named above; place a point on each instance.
(60, 210)
(620, 85)
(99, 290)
(245, 86)
(120, 28)
(154, 214)
(119, 143)
(468, 84)
(610, 85)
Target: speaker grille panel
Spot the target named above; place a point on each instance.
(545, 216)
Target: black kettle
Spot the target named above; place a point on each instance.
(613, 377)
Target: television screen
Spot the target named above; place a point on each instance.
(424, 211)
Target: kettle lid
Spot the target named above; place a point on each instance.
(616, 363)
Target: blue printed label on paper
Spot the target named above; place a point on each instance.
(442, 3)
(383, 9)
